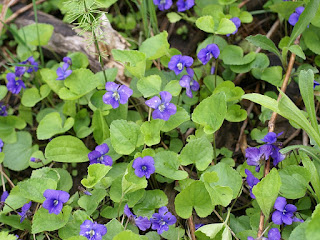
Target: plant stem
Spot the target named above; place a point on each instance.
(38, 34)
(214, 150)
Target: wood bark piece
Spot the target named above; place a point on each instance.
(66, 39)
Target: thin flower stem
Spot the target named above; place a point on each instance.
(271, 124)
(2, 180)
(214, 150)
(8, 179)
(38, 33)
(192, 227)
(221, 219)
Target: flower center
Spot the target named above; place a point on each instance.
(91, 233)
(100, 158)
(161, 108)
(179, 66)
(116, 96)
(163, 1)
(55, 202)
(144, 168)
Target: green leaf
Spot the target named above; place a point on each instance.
(5, 235)
(233, 93)
(266, 191)
(51, 125)
(44, 221)
(273, 75)
(227, 177)
(100, 127)
(14, 221)
(167, 164)
(95, 173)
(65, 182)
(73, 225)
(314, 176)
(78, 84)
(34, 188)
(199, 152)
(114, 227)
(32, 96)
(211, 112)
(264, 43)
(265, 101)
(125, 136)
(149, 86)
(210, 230)
(285, 9)
(206, 24)
(151, 131)
(17, 155)
(67, 149)
(233, 55)
(245, 17)
(131, 182)
(152, 200)
(226, 26)
(14, 200)
(156, 46)
(312, 231)
(127, 234)
(30, 35)
(236, 114)
(173, 17)
(3, 92)
(304, 20)
(173, 87)
(296, 181)
(226, 2)
(194, 196)
(296, 49)
(173, 233)
(306, 79)
(136, 61)
(175, 120)
(81, 122)
(90, 203)
(79, 60)
(49, 76)
(261, 62)
(7, 128)
(299, 232)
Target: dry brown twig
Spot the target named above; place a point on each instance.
(271, 124)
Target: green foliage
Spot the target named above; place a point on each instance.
(32, 95)
(66, 149)
(266, 191)
(149, 86)
(29, 34)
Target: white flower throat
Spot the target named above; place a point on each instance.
(179, 66)
(116, 96)
(161, 108)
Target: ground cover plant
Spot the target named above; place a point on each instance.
(159, 119)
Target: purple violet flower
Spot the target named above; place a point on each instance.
(3, 110)
(161, 221)
(116, 94)
(274, 234)
(189, 83)
(98, 155)
(34, 65)
(24, 211)
(1, 145)
(19, 71)
(205, 54)
(294, 17)
(256, 156)
(67, 60)
(198, 225)
(143, 223)
(63, 72)
(271, 137)
(81, 189)
(184, 5)
(178, 62)
(237, 23)
(92, 230)
(163, 108)
(163, 4)
(143, 166)
(14, 85)
(252, 181)
(3, 198)
(55, 200)
(315, 83)
(284, 212)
